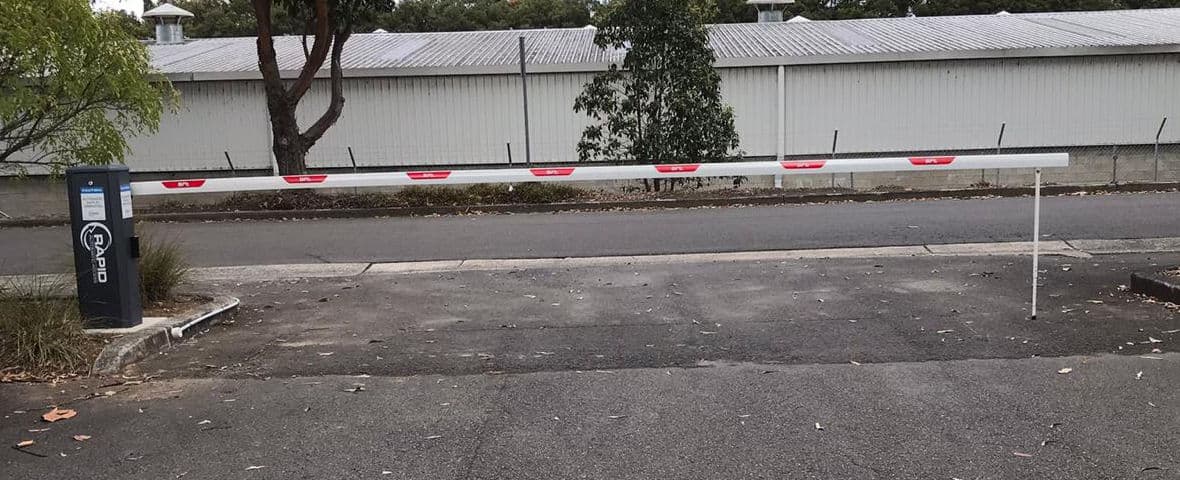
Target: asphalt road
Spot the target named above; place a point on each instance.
(731, 370)
(45, 249)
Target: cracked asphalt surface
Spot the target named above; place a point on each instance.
(912, 367)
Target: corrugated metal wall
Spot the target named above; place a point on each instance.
(961, 104)
(403, 121)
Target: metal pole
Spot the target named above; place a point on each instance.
(508, 145)
(1156, 175)
(1114, 168)
(999, 145)
(352, 158)
(835, 136)
(781, 124)
(524, 91)
(232, 171)
(1036, 239)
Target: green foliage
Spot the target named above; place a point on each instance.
(162, 268)
(465, 15)
(235, 18)
(41, 329)
(664, 105)
(129, 23)
(72, 84)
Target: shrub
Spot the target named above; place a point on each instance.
(41, 328)
(162, 267)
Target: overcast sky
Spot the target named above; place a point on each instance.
(133, 6)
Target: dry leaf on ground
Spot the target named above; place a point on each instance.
(81, 438)
(1065, 370)
(58, 414)
(25, 443)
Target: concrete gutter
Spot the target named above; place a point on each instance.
(786, 199)
(137, 343)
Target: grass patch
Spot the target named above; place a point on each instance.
(41, 329)
(162, 268)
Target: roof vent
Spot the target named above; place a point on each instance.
(1003, 12)
(770, 11)
(798, 19)
(167, 17)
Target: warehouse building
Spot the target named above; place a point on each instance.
(1079, 81)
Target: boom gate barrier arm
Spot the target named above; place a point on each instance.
(934, 163)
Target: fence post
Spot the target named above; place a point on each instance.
(232, 171)
(1156, 171)
(352, 158)
(1114, 166)
(524, 92)
(835, 137)
(999, 146)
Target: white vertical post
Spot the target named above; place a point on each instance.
(781, 122)
(1036, 239)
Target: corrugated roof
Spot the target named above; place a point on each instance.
(837, 41)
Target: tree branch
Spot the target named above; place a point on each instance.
(319, 51)
(267, 63)
(337, 105)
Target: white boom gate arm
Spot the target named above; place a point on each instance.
(935, 163)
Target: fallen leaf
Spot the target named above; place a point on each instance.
(1154, 340)
(944, 331)
(204, 422)
(1065, 370)
(818, 426)
(25, 443)
(255, 467)
(434, 437)
(81, 438)
(1139, 376)
(1021, 454)
(355, 389)
(702, 332)
(1096, 302)
(327, 354)
(616, 417)
(854, 362)
(38, 430)
(58, 414)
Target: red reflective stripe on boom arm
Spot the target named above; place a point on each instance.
(684, 168)
(435, 175)
(804, 165)
(922, 161)
(305, 178)
(183, 183)
(552, 172)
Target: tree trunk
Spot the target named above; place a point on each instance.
(287, 144)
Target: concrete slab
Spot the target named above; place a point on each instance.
(277, 272)
(1051, 247)
(1134, 245)
(148, 323)
(413, 267)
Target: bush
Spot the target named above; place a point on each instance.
(162, 267)
(41, 328)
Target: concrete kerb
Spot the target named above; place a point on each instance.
(1161, 287)
(154, 335)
